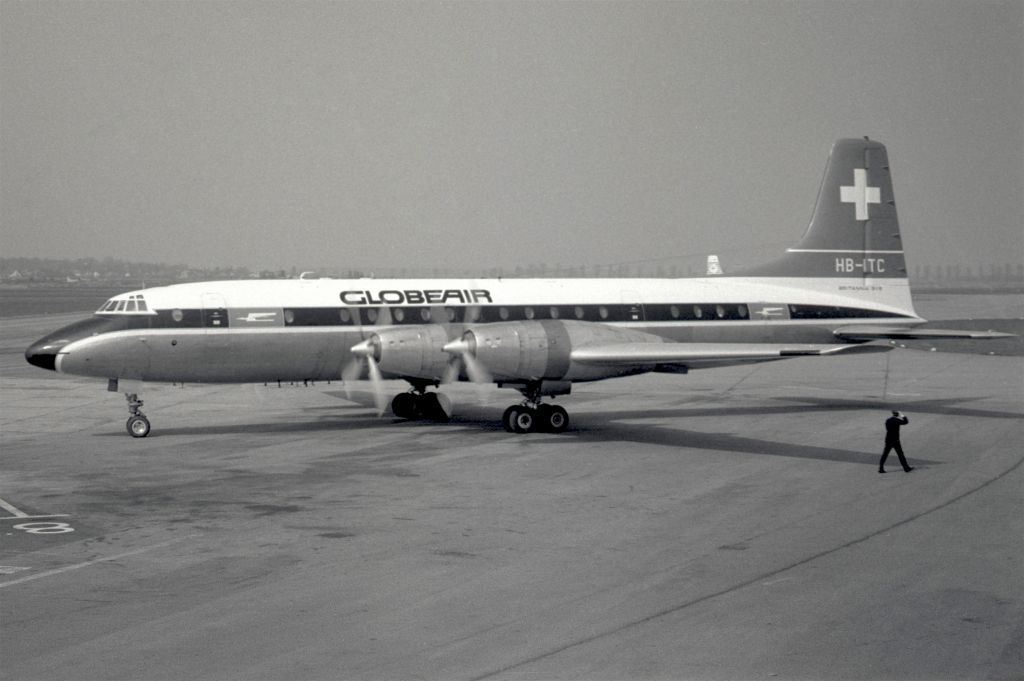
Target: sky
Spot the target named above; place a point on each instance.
(479, 135)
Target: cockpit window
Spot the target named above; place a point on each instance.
(133, 303)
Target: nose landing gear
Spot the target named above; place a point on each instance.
(138, 424)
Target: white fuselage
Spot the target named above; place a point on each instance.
(266, 330)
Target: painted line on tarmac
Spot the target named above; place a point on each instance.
(779, 572)
(105, 559)
(18, 514)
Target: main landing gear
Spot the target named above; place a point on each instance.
(419, 404)
(138, 424)
(531, 416)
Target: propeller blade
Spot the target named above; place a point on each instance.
(352, 371)
(366, 351)
(475, 370)
(377, 382)
(452, 371)
(463, 358)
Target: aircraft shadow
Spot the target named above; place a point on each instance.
(609, 426)
(602, 431)
(612, 426)
(940, 406)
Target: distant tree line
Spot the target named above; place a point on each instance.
(110, 271)
(87, 271)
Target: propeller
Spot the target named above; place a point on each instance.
(463, 352)
(463, 356)
(367, 349)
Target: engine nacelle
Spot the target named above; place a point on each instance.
(413, 352)
(540, 350)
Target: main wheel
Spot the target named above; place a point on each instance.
(508, 419)
(137, 425)
(436, 407)
(404, 406)
(525, 420)
(553, 418)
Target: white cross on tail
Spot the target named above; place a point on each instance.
(860, 195)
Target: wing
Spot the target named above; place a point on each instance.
(695, 355)
(866, 333)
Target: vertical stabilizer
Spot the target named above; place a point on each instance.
(854, 232)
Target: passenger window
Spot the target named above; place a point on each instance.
(529, 313)
(554, 312)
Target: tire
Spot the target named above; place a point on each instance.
(553, 419)
(435, 407)
(525, 420)
(404, 406)
(509, 417)
(137, 425)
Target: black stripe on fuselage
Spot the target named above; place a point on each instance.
(485, 314)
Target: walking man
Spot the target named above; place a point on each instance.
(892, 441)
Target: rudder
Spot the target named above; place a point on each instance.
(854, 231)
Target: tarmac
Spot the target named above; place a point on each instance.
(726, 524)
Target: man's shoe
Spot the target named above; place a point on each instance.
(907, 470)
(880, 470)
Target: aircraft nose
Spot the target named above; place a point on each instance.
(42, 355)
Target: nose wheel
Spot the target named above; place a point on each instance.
(137, 424)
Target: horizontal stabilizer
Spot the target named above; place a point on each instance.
(686, 353)
(867, 333)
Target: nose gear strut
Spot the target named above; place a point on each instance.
(138, 424)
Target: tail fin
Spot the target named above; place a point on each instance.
(854, 233)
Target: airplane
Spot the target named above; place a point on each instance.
(843, 285)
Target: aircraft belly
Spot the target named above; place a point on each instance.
(250, 357)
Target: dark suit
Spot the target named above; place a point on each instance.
(892, 440)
